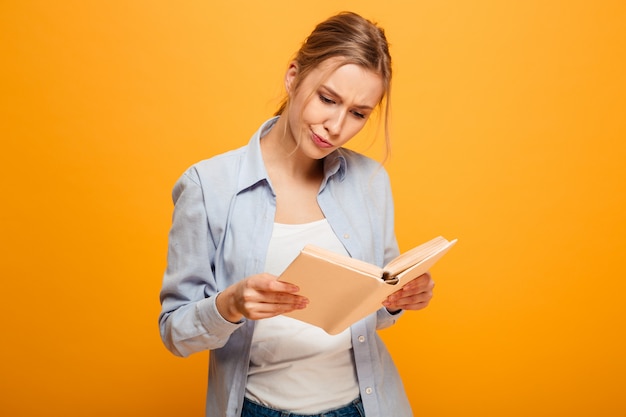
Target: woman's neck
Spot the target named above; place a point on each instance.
(295, 177)
(281, 155)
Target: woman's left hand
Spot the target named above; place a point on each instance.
(413, 296)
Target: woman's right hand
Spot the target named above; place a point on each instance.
(259, 297)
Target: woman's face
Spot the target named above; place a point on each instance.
(331, 106)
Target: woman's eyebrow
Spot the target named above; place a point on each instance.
(334, 93)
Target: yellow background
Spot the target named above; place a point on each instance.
(509, 134)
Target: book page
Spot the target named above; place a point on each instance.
(415, 255)
(351, 263)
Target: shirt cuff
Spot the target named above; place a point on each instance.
(212, 320)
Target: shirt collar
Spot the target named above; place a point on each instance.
(253, 168)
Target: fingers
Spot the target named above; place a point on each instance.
(254, 310)
(269, 283)
(265, 288)
(263, 296)
(416, 295)
(420, 285)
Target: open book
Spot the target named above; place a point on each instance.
(342, 290)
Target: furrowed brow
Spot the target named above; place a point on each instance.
(334, 93)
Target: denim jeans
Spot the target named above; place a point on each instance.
(252, 409)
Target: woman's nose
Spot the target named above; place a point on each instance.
(334, 122)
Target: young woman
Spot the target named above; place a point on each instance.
(241, 217)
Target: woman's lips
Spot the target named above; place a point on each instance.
(320, 142)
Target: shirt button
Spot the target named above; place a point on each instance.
(361, 339)
(346, 236)
(368, 390)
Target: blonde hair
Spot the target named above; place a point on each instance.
(355, 40)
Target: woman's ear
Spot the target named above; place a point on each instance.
(290, 76)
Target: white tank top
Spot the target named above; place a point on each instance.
(293, 365)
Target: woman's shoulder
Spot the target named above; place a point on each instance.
(225, 159)
(220, 165)
(228, 164)
(214, 175)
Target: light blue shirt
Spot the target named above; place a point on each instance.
(222, 224)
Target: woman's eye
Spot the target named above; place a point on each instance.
(326, 100)
(359, 115)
